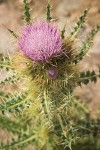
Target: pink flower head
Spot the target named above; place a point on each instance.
(40, 41)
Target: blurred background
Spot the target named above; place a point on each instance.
(11, 16)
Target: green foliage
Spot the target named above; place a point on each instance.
(87, 143)
(22, 141)
(4, 95)
(87, 44)
(90, 132)
(87, 76)
(15, 103)
(48, 13)
(12, 126)
(12, 79)
(27, 11)
(79, 24)
(5, 63)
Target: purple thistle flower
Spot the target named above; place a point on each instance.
(40, 41)
(52, 72)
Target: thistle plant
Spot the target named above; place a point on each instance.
(42, 110)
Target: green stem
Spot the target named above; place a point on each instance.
(46, 105)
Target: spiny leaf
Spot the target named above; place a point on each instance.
(48, 106)
(63, 32)
(27, 11)
(71, 137)
(11, 79)
(87, 44)
(79, 24)
(89, 126)
(89, 131)
(4, 95)
(81, 105)
(5, 63)
(15, 103)
(12, 126)
(86, 77)
(48, 13)
(12, 32)
(22, 141)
